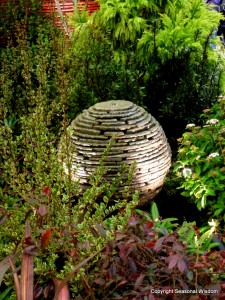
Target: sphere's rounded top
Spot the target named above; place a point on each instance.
(113, 105)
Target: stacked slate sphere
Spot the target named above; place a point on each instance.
(138, 137)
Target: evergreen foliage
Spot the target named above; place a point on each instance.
(34, 185)
(94, 76)
(66, 226)
(158, 54)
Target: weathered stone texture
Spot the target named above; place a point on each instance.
(139, 137)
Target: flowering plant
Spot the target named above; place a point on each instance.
(200, 166)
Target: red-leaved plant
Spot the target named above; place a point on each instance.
(143, 262)
(147, 259)
(24, 284)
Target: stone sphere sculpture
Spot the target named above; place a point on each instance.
(138, 137)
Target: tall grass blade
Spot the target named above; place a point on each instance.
(16, 280)
(27, 270)
(5, 264)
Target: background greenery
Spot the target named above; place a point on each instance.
(158, 54)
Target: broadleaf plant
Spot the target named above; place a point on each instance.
(200, 166)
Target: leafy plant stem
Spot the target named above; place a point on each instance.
(77, 267)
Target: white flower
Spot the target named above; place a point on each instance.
(186, 172)
(214, 224)
(190, 125)
(212, 121)
(198, 157)
(212, 155)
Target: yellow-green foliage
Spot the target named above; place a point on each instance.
(156, 53)
(33, 183)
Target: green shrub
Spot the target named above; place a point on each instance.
(200, 166)
(16, 16)
(65, 226)
(94, 75)
(158, 54)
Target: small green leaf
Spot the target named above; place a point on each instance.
(185, 194)
(204, 237)
(218, 211)
(169, 219)
(199, 205)
(190, 235)
(198, 170)
(203, 201)
(212, 245)
(210, 192)
(155, 212)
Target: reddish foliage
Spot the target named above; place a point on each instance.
(45, 238)
(42, 210)
(149, 225)
(47, 190)
(140, 261)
